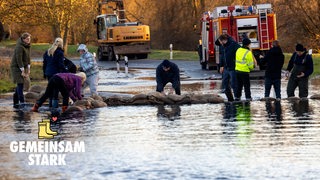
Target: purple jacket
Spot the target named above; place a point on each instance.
(73, 85)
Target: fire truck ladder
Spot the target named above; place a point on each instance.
(264, 31)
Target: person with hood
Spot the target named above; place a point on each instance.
(53, 63)
(244, 64)
(274, 60)
(89, 66)
(301, 67)
(168, 72)
(227, 65)
(20, 67)
(68, 84)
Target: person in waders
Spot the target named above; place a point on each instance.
(300, 67)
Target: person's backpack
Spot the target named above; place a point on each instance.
(70, 66)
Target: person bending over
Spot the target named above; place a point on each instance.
(168, 72)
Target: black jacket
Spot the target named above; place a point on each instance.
(172, 75)
(304, 60)
(274, 60)
(229, 55)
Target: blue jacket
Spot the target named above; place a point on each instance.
(88, 64)
(229, 55)
(54, 64)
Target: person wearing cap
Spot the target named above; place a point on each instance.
(301, 67)
(20, 67)
(274, 60)
(89, 66)
(168, 72)
(227, 65)
(244, 64)
(68, 84)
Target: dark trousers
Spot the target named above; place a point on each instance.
(175, 84)
(243, 80)
(18, 94)
(268, 82)
(50, 98)
(55, 85)
(229, 80)
(301, 83)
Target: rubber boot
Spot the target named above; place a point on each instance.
(48, 129)
(42, 133)
(35, 108)
(15, 100)
(64, 108)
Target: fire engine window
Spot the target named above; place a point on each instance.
(248, 32)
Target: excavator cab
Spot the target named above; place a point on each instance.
(103, 23)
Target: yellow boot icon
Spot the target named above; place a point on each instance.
(42, 134)
(48, 129)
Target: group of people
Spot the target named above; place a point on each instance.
(71, 85)
(236, 62)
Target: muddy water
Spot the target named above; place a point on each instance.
(256, 140)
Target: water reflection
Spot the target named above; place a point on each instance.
(22, 122)
(301, 108)
(237, 119)
(274, 111)
(244, 120)
(171, 112)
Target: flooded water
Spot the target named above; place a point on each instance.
(253, 140)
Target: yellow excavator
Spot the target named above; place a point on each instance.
(116, 36)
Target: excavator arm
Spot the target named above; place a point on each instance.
(116, 6)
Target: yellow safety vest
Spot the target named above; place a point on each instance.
(244, 60)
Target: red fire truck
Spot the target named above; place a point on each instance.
(257, 22)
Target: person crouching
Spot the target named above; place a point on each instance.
(68, 84)
(168, 72)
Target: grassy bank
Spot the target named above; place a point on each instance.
(6, 84)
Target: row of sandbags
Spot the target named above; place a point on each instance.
(153, 98)
(156, 98)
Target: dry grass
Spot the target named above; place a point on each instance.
(6, 84)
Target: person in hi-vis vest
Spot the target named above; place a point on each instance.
(244, 64)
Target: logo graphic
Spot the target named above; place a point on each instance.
(44, 130)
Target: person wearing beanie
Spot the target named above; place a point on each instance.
(274, 60)
(68, 84)
(89, 66)
(168, 72)
(300, 67)
(227, 65)
(244, 64)
(20, 68)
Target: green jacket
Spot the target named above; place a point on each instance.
(21, 58)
